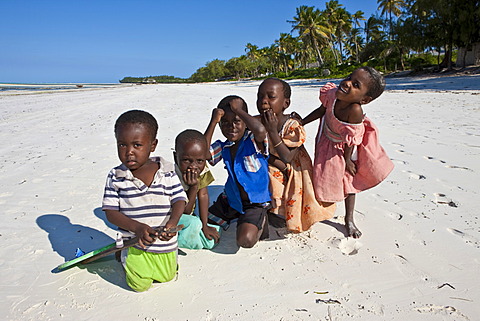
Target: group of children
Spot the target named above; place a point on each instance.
(271, 178)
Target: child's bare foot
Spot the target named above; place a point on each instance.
(352, 230)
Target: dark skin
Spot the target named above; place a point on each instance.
(271, 102)
(233, 122)
(351, 95)
(191, 159)
(134, 145)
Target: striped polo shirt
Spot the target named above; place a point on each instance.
(149, 205)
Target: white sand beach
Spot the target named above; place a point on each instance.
(418, 258)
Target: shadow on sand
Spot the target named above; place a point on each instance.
(66, 237)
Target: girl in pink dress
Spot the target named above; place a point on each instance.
(348, 156)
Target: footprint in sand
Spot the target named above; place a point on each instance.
(467, 238)
(459, 167)
(414, 175)
(401, 151)
(443, 199)
(442, 310)
(430, 158)
(399, 161)
(347, 245)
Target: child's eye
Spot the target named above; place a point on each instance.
(138, 145)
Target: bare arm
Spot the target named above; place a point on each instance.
(286, 154)
(192, 197)
(177, 210)
(203, 200)
(143, 231)
(190, 177)
(314, 115)
(355, 116)
(217, 115)
(349, 164)
(253, 123)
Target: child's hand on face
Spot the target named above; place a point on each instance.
(217, 114)
(190, 177)
(270, 121)
(350, 167)
(236, 105)
(145, 233)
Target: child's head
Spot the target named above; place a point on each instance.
(231, 125)
(273, 94)
(136, 132)
(361, 86)
(190, 150)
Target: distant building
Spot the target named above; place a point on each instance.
(471, 56)
(149, 81)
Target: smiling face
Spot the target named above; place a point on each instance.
(232, 126)
(271, 96)
(134, 145)
(191, 156)
(354, 88)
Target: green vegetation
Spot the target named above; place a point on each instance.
(153, 80)
(405, 35)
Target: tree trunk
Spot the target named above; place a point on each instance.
(319, 55)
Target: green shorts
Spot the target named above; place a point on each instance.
(142, 268)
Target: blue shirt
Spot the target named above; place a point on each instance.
(249, 169)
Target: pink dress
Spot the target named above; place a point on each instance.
(332, 182)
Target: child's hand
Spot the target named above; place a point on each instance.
(296, 116)
(217, 114)
(270, 121)
(145, 233)
(236, 105)
(164, 236)
(211, 232)
(190, 177)
(350, 167)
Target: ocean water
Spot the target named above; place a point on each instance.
(51, 87)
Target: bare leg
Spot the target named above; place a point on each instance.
(247, 235)
(352, 229)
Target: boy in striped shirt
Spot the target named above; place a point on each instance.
(141, 194)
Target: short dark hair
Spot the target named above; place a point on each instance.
(287, 91)
(138, 117)
(189, 135)
(225, 103)
(377, 83)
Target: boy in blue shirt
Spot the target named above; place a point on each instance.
(245, 154)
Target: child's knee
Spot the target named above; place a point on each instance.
(247, 241)
(137, 283)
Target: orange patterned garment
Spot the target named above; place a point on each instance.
(293, 197)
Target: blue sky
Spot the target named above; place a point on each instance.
(103, 41)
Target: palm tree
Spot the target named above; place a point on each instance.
(357, 16)
(286, 48)
(391, 7)
(354, 42)
(373, 29)
(313, 28)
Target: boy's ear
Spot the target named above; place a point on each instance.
(154, 145)
(286, 103)
(366, 100)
